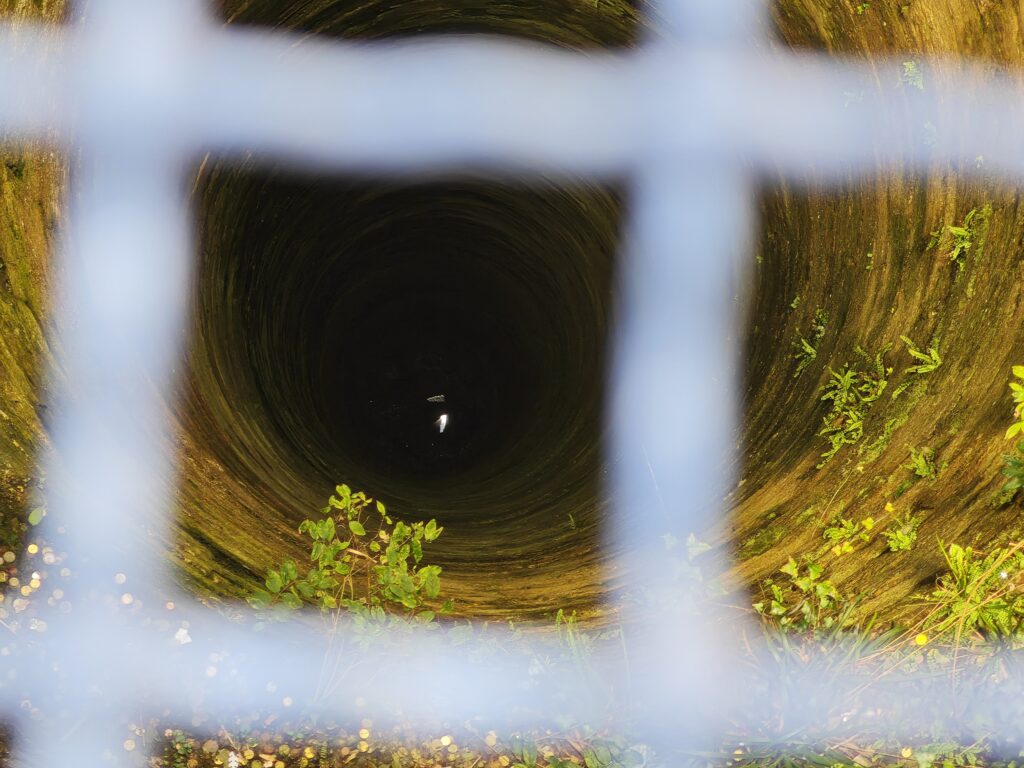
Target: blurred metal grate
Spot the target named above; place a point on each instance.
(135, 91)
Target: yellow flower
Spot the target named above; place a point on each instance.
(889, 507)
(906, 752)
(868, 523)
(921, 639)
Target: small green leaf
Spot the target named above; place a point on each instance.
(790, 568)
(35, 517)
(274, 582)
(432, 530)
(288, 570)
(432, 585)
(356, 527)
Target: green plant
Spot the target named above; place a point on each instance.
(980, 594)
(922, 463)
(1014, 464)
(851, 393)
(804, 356)
(843, 532)
(861, 7)
(806, 603)
(806, 351)
(181, 749)
(1017, 390)
(362, 561)
(962, 237)
(902, 533)
(912, 75)
(1014, 470)
(930, 361)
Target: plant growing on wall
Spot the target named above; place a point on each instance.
(805, 602)
(361, 561)
(851, 393)
(927, 361)
(902, 533)
(922, 463)
(1017, 390)
(806, 350)
(844, 532)
(963, 240)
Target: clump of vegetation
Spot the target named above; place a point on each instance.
(806, 350)
(982, 594)
(1014, 471)
(362, 561)
(962, 238)
(843, 532)
(928, 361)
(851, 393)
(1013, 467)
(922, 463)
(805, 602)
(902, 533)
(1017, 390)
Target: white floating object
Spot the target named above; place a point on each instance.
(182, 637)
(436, 399)
(442, 422)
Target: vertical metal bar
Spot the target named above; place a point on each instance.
(674, 390)
(673, 419)
(125, 281)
